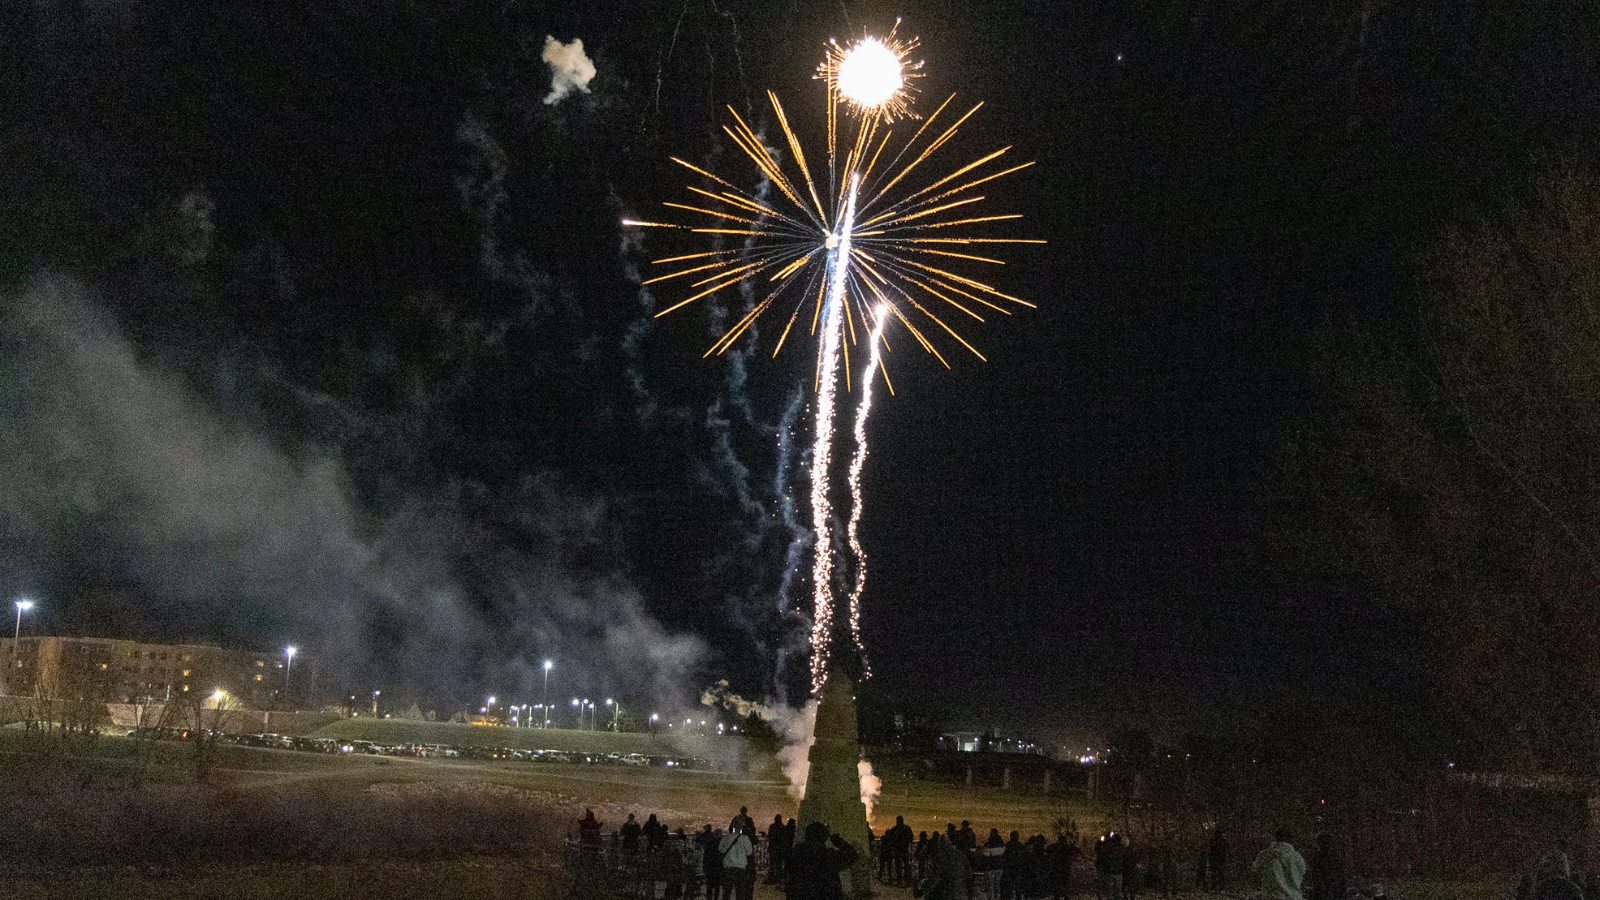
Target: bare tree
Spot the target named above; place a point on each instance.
(200, 719)
(1464, 470)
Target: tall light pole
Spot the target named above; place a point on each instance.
(616, 711)
(23, 606)
(288, 667)
(546, 707)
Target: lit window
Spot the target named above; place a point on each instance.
(258, 677)
(260, 664)
(102, 666)
(186, 687)
(186, 673)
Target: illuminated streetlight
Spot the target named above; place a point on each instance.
(616, 712)
(23, 605)
(288, 653)
(546, 707)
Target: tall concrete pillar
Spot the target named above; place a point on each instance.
(833, 785)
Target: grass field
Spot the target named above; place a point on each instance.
(116, 818)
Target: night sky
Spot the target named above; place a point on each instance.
(320, 328)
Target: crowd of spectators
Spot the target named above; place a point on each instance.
(649, 860)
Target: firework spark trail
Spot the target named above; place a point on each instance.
(799, 535)
(856, 243)
(857, 463)
(833, 310)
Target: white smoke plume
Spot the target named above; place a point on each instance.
(797, 728)
(570, 69)
(871, 786)
(109, 459)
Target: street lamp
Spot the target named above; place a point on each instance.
(616, 711)
(653, 720)
(546, 707)
(375, 703)
(23, 606)
(288, 653)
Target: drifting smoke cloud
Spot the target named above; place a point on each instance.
(797, 728)
(112, 466)
(570, 69)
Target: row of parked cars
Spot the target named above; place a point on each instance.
(273, 741)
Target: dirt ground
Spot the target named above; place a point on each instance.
(117, 819)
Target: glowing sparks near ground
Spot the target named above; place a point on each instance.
(867, 232)
(858, 462)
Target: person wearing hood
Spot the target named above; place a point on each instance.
(814, 865)
(948, 873)
(1280, 869)
(589, 831)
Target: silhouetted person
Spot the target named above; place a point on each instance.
(966, 838)
(994, 840)
(696, 854)
(711, 862)
(1110, 865)
(589, 831)
(1011, 864)
(743, 822)
(921, 856)
(1035, 881)
(629, 832)
(1216, 859)
(898, 839)
(777, 849)
(1280, 869)
(815, 864)
(655, 833)
(1553, 877)
(949, 876)
(1326, 871)
(1132, 871)
(1063, 854)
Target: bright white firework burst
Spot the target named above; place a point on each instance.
(873, 75)
(866, 238)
